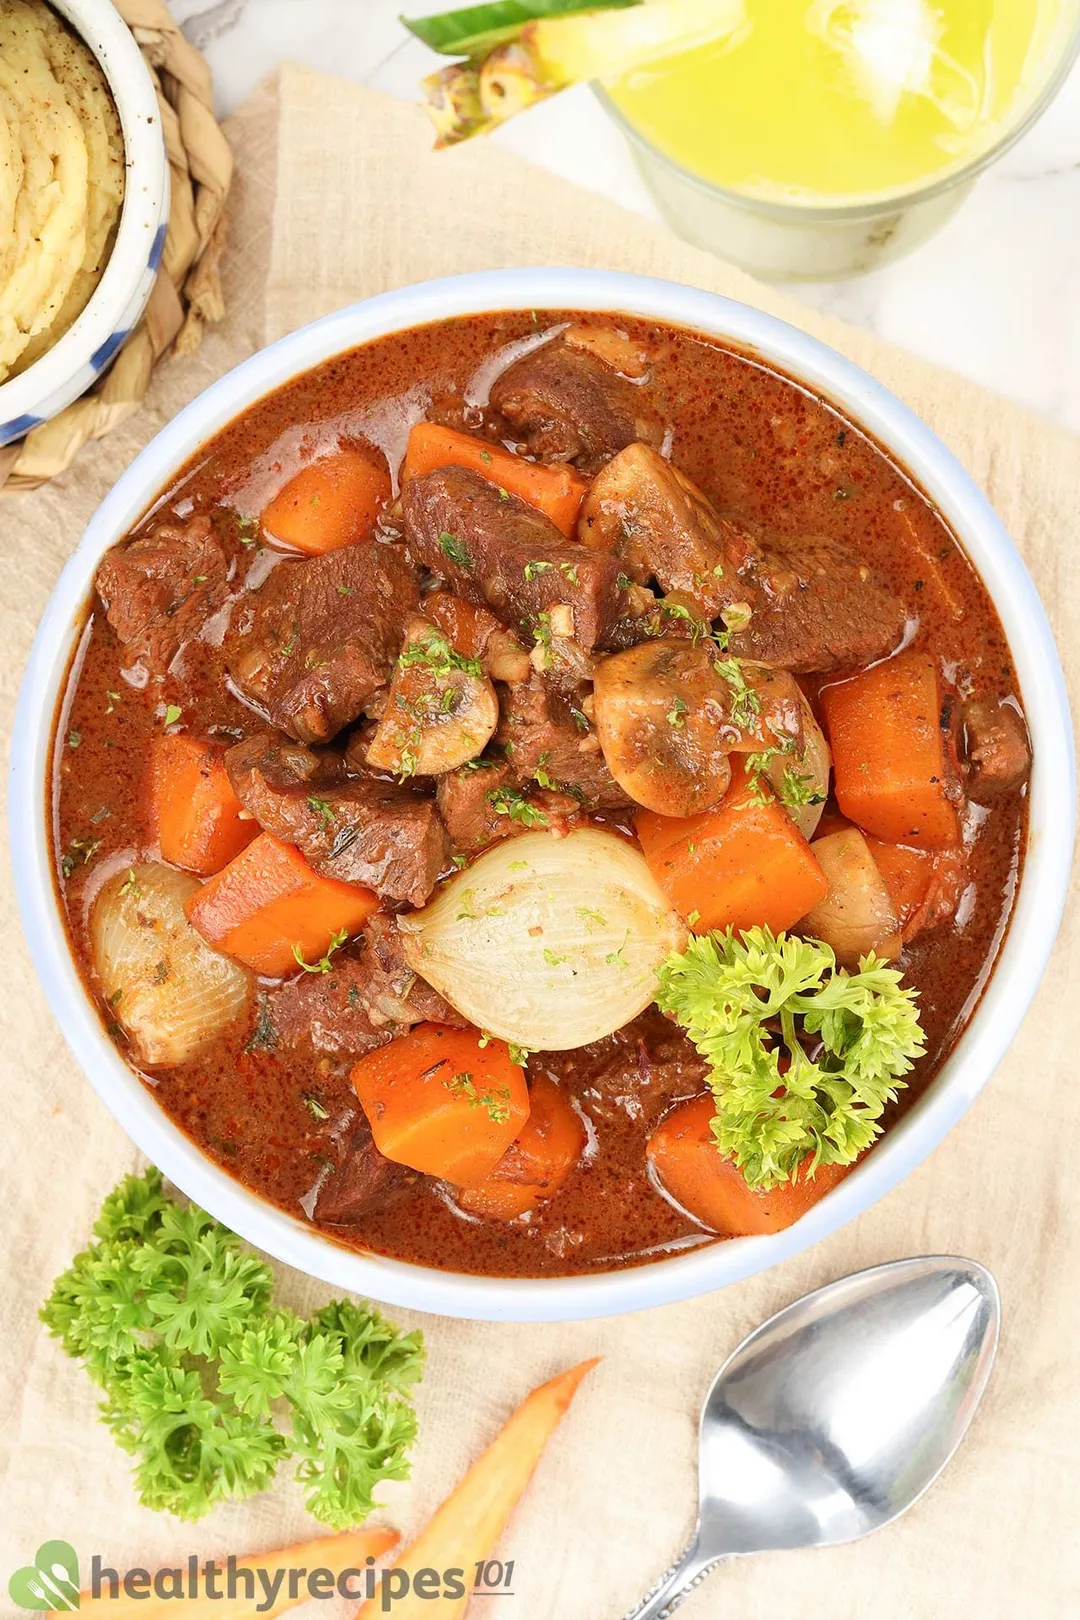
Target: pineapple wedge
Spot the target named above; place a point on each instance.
(550, 53)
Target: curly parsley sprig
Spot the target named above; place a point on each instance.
(756, 1006)
(209, 1386)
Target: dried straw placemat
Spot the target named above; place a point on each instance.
(187, 293)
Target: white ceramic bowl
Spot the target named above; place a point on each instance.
(1023, 956)
(77, 359)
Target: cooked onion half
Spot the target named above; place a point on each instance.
(166, 988)
(857, 915)
(811, 766)
(547, 942)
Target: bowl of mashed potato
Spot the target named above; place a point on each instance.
(84, 200)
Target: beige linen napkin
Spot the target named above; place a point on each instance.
(362, 205)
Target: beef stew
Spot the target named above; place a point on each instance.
(706, 642)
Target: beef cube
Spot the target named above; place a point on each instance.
(495, 548)
(566, 403)
(358, 828)
(369, 995)
(996, 747)
(318, 640)
(364, 1181)
(664, 619)
(659, 524)
(393, 996)
(635, 1074)
(323, 1013)
(452, 410)
(159, 590)
(467, 804)
(479, 807)
(392, 993)
(949, 877)
(548, 739)
(815, 607)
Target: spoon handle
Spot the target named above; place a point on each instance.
(675, 1584)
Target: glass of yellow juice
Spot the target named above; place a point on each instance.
(817, 138)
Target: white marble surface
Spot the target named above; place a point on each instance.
(995, 295)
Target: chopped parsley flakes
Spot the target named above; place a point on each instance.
(434, 652)
(494, 1103)
(506, 801)
(323, 809)
(454, 549)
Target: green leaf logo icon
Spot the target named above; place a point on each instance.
(50, 1582)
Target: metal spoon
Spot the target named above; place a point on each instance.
(836, 1414)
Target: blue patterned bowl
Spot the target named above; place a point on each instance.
(78, 358)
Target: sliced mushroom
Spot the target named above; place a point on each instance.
(668, 713)
(659, 709)
(774, 717)
(662, 526)
(441, 710)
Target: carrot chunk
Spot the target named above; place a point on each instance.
(907, 874)
(475, 632)
(891, 771)
(926, 885)
(742, 864)
(683, 1154)
(196, 817)
(556, 491)
(345, 1556)
(331, 502)
(268, 904)
(440, 1102)
(463, 1532)
(467, 625)
(537, 1163)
